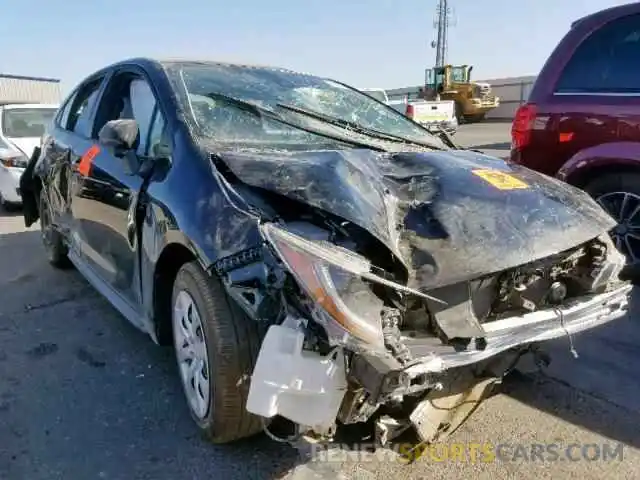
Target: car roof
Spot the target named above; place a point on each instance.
(185, 61)
(611, 12)
(200, 61)
(157, 63)
(558, 58)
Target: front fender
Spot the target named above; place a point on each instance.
(615, 153)
(159, 229)
(209, 235)
(159, 233)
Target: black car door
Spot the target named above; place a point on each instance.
(106, 196)
(61, 151)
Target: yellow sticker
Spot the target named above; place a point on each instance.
(501, 180)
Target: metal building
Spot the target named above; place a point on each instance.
(20, 89)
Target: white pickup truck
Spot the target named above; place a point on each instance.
(431, 114)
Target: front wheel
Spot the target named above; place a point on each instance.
(619, 195)
(216, 345)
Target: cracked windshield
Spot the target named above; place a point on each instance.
(319, 105)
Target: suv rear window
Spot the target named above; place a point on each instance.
(607, 61)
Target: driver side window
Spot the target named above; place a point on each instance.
(143, 104)
(133, 98)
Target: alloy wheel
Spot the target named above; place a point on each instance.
(624, 207)
(191, 353)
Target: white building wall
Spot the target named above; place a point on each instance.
(18, 89)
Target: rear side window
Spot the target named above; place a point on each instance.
(63, 113)
(79, 120)
(607, 61)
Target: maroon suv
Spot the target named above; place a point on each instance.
(582, 120)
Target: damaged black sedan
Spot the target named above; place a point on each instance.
(316, 258)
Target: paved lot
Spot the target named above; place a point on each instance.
(84, 396)
(491, 137)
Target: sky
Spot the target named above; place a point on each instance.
(377, 43)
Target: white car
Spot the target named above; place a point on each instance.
(21, 128)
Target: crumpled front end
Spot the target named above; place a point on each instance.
(353, 345)
(400, 287)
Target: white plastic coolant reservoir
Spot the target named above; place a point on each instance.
(301, 386)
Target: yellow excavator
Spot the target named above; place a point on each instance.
(453, 82)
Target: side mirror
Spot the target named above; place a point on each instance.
(122, 136)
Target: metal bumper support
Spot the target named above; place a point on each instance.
(503, 335)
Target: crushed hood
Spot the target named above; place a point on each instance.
(440, 213)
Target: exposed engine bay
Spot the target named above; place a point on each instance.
(350, 343)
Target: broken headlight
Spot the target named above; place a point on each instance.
(332, 278)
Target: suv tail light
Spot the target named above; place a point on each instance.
(523, 125)
(409, 112)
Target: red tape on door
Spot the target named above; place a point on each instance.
(84, 167)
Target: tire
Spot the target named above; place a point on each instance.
(475, 118)
(54, 246)
(606, 187)
(8, 206)
(232, 343)
(480, 117)
(460, 114)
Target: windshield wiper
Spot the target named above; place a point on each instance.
(263, 112)
(355, 127)
(446, 138)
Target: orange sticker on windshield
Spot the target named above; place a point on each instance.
(501, 180)
(84, 167)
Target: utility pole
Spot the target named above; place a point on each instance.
(441, 24)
